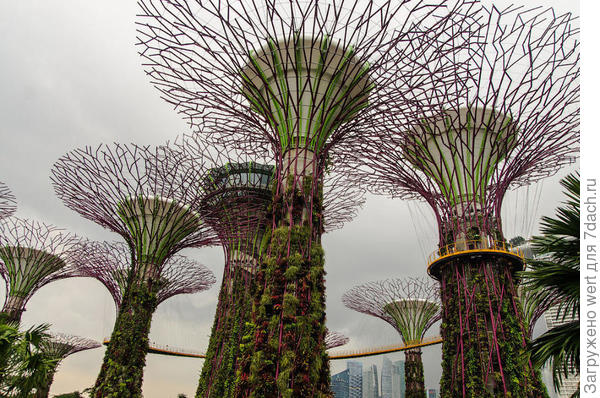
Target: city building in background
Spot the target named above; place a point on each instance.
(340, 384)
(370, 383)
(386, 379)
(398, 380)
(353, 382)
(355, 376)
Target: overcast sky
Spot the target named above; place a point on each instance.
(70, 76)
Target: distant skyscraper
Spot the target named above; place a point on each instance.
(398, 382)
(340, 384)
(432, 393)
(386, 379)
(370, 383)
(355, 375)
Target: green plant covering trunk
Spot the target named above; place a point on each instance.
(284, 346)
(413, 374)
(217, 379)
(483, 354)
(44, 391)
(121, 373)
(11, 314)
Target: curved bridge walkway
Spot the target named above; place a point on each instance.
(338, 354)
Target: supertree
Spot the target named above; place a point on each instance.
(8, 203)
(335, 339)
(411, 306)
(249, 183)
(299, 77)
(110, 263)
(32, 254)
(117, 186)
(58, 347)
(515, 121)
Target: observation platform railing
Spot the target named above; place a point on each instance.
(465, 247)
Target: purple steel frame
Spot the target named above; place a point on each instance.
(513, 121)
(412, 306)
(8, 202)
(343, 58)
(32, 254)
(110, 263)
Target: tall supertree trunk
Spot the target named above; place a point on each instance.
(287, 357)
(414, 375)
(232, 315)
(122, 370)
(482, 326)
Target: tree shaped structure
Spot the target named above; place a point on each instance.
(515, 120)
(411, 306)
(298, 77)
(32, 255)
(335, 339)
(151, 200)
(237, 178)
(58, 347)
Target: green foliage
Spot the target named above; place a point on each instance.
(24, 366)
(555, 280)
(75, 394)
(232, 332)
(287, 355)
(517, 241)
(482, 328)
(121, 373)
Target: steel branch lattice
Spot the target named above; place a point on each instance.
(335, 339)
(32, 254)
(61, 345)
(205, 57)
(411, 305)
(120, 187)
(8, 202)
(513, 120)
(110, 263)
(297, 78)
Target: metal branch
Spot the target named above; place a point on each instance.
(335, 339)
(117, 186)
(8, 202)
(32, 255)
(512, 120)
(411, 305)
(110, 263)
(62, 345)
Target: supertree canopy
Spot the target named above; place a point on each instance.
(299, 77)
(335, 339)
(32, 255)
(58, 347)
(120, 187)
(110, 263)
(8, 203)
(515, 120)
(411, 306)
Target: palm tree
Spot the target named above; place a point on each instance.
(553, 279)
(23, 364)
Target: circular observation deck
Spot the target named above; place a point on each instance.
(474, 249)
